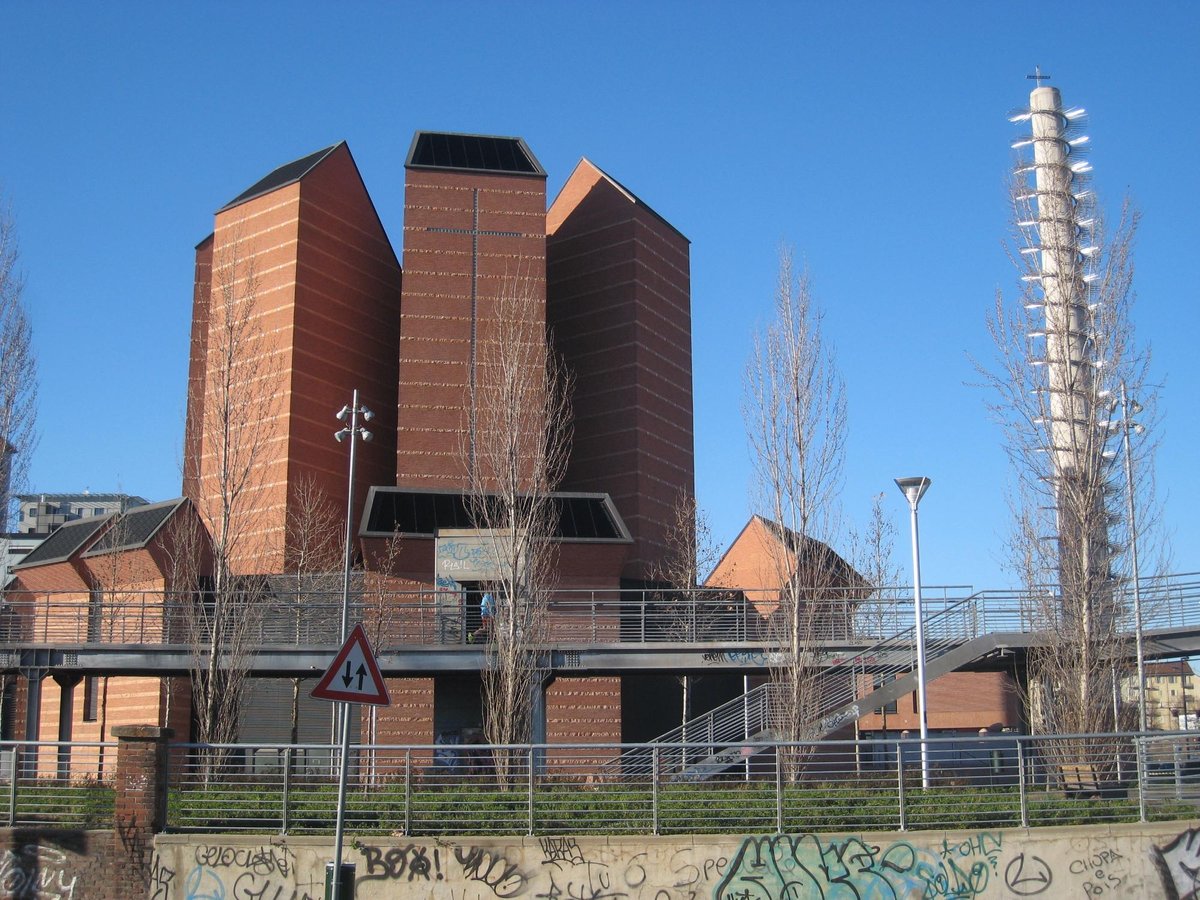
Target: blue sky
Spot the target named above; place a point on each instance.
(872, 137)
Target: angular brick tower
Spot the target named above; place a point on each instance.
(304, 247)
(474, 220)
(619, 306)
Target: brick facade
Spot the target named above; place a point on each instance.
(619, 306)
(141, 803)
(310, 259)
(468, 237)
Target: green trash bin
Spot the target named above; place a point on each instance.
(345, 882)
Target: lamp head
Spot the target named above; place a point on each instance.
(340, 436)
(914, 488)
(366, 435)
(342, 413)
(366, 414)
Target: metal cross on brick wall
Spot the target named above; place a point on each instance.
(475, 232)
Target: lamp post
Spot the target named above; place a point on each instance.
(1128, 408)
(914, 489)
(352, 431)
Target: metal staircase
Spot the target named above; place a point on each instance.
(711, 743)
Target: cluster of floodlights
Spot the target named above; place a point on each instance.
(352, 412)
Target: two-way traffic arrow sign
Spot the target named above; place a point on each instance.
(353, 676)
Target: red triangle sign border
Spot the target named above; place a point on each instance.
(325, 689)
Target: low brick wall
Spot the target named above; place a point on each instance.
(1127, 861)
(40, 864)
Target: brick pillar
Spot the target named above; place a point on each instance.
(141, 803)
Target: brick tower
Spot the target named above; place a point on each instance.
(300, 264)
(619, 305)
(474, 220)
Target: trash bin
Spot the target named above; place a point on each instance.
(345, 882)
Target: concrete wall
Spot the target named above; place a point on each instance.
(1149, 861)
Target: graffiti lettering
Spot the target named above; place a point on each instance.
(259, 860)
(560, 850)
(395, 861)
(255, 887)
(743, 657)
(831, 723)
(1027, 876)
(160, 879)
(587, 881)
(985, 844)
(1179, 865)
(1104, 871)
(202, 883)
(38, 873)
(791, 868)
(688, 873)
(491, 869)
(635, 872)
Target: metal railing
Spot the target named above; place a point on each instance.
(397, 619)
(985, 781)
(843, 686)
(989, 782)
(65, 784)
(408, 618)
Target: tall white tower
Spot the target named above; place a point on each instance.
(1066, 345)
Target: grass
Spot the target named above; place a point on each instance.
(711, 808)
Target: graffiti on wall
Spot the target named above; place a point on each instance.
(1179, 866)
(223, 872)
(968, 865)
(37, 873)
(786, 867)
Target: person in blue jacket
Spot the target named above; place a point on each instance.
(487, 614)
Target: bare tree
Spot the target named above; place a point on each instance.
(690, 554)
(520, 429)
(876, 615)
(18, 373)
(795, 414)
(312, 563)
(18, 382)
(240, 391)
(872, 551)
(1064, 352)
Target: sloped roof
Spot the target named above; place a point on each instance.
(64, 542)
(286, 174)
(1177, 667)
(586, 164)
(136, 528)
(805, 548)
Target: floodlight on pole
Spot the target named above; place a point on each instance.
(914, 489)
(352, 430)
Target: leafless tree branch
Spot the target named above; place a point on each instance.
(521, 429)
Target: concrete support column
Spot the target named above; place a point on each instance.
(66, 716)
(33, 719)
(141, 802)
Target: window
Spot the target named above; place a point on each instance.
(888, 709)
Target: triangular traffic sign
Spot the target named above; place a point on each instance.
(353, 676)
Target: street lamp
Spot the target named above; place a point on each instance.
(914, 489)
(1128, 408)
(352, 430)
